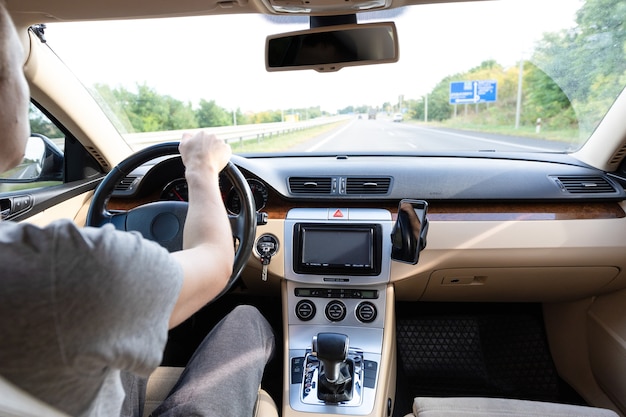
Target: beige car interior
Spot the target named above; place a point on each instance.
(18, 403)
(574, 267)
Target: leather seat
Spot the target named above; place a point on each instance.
(15, 402)
(499, 407)
(164, 377)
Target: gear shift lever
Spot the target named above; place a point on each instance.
(336, 375)
(332, 350)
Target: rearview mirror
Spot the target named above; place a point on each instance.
(331, 48)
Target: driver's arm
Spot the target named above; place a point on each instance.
(208, 254)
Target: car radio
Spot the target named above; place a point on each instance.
(347, 249)
(332, 245)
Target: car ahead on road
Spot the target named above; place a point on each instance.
(397, 117)
(471, 253)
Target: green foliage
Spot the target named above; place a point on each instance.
(210, 114)
(570, 80)
(269, 116)
(588, 62)
(41, 124)
(145, 110)
(304, 113)
(545, 100)
(363, 109)
(575, 72)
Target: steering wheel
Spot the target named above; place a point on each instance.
(163, 221)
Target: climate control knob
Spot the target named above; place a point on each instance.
(366, 312)
(305, 310)
(335, 311)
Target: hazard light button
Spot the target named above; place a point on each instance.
(338, 214)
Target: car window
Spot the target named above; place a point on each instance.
(509, 75)
(27, 175)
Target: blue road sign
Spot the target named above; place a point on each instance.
(468, 92)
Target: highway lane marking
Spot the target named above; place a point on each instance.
(325, 141)
(499, 142)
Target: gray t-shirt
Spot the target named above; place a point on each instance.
(79, 305)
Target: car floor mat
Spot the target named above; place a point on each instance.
(471, 349)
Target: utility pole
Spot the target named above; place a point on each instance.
(518, 109)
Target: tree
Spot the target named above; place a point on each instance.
(144, 111)
(210, 114)
(268, 116)
(113, 106)
(41, 124)
(181, 115)
(591, 77)
(545, 100)
(148, 111)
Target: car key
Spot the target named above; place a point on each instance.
(265, 261)
(266, 246)
(267, 250)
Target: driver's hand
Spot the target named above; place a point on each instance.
(204, 153)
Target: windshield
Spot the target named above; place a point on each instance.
(505, 75)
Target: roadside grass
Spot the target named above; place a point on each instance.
(568, 135)
(11, 187)
(282, 142)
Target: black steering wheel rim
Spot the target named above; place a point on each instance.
(243, 224)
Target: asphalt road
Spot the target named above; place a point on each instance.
(386, 136)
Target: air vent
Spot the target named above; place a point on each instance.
(618, 156)
(365, 185)
(310, 185)
(94, 152)
(125, 184)
(586, 185)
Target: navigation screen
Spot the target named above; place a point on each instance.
(351, 248)
(337, 249)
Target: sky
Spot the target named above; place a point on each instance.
(222, 59)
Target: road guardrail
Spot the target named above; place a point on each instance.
(230, 134)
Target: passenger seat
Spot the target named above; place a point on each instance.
(498, 407)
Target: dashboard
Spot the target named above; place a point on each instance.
(501, 228)
(516, 227)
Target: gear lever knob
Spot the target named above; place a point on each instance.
(332, 350)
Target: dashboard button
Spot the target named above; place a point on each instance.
(335, 311)
(305, 310)
(366, 312)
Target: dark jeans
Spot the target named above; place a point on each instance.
(223, 376)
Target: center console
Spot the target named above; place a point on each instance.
(340, 355)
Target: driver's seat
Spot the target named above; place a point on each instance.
(163, 379)
(15, 402)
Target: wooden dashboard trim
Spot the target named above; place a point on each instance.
(495, 211)
(476, 211)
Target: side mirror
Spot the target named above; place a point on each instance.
(331, 48)
(408, 236)
(43, 161)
